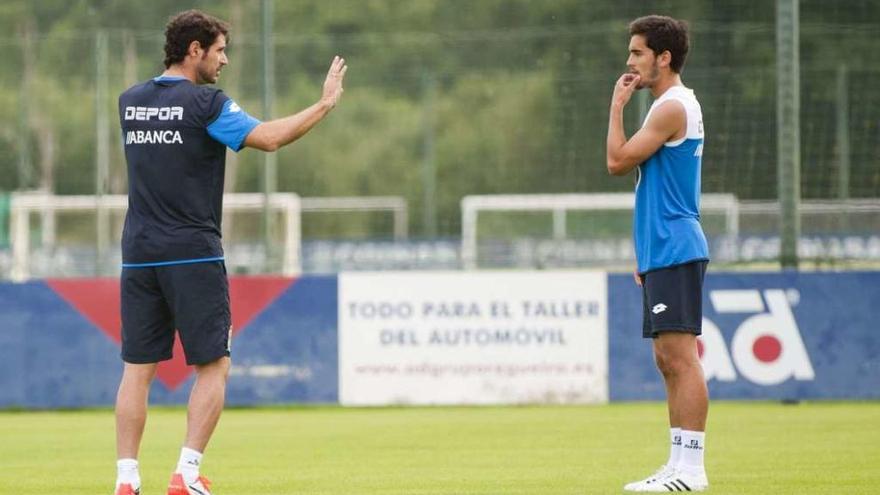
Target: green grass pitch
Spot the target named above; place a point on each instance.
(752, 448)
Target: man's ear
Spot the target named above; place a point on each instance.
(664, 59)
(194, 49)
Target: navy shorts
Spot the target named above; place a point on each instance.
(190, 298)
(673, 299)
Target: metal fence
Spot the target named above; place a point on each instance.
(463, 100)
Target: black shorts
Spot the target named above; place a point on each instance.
(191, 298)
(673, 299)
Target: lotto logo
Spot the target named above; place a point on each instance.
(766, 348)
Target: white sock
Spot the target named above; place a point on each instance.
(127, 472)
(188, 465)
(693, 445)
(674, 447)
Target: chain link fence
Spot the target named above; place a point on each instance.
(450, 99)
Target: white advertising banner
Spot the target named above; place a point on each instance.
(473, 338)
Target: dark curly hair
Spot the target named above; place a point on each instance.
(664, 33)
(189, 26)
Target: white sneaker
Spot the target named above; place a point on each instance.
(677, 481)
(662, 472)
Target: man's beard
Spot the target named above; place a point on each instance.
(205, 76)
(647, 83)
(209, 77)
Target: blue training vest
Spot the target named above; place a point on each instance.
(666, 221)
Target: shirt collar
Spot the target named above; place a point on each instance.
(168, 78)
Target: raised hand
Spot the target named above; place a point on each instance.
(333, 83)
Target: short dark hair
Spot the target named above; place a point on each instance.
(189, 26)
(664, 33)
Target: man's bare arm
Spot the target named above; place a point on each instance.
(666, 121)
(271, 135)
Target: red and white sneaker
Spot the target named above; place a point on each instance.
(178, 487)
(126, 489)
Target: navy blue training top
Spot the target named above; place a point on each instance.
(175, 136)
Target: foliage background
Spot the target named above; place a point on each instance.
(446, 98)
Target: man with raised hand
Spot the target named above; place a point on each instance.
(176, 131)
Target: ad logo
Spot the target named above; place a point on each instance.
(766, 348)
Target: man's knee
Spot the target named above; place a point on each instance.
(675, 353)
(219, 368)
(661, 360)
(677, 367)
(139, 373)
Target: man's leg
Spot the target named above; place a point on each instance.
(131, 408)
(669, 382)
(674, 419)
(686, 392)
(199, 297)
(672, 300)
(206, 403)
(131, 416)
(688, 400)
(648, 302)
